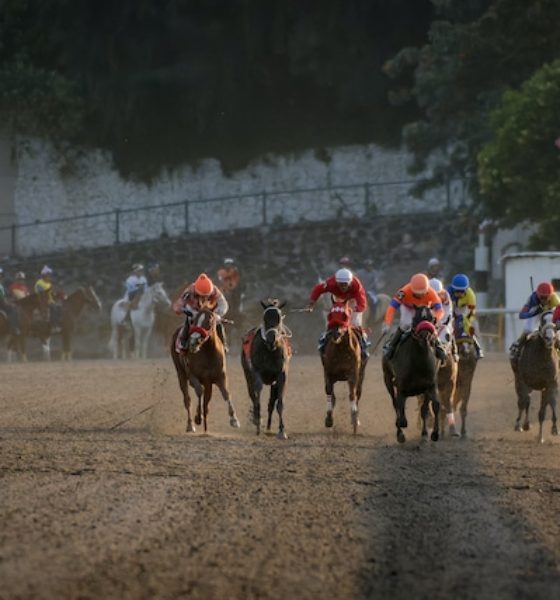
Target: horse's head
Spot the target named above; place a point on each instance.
(202, 328)
(91, 298)
(547, 329)
(338, 321)
(271, 329)
(160, 298)
(422, 313)
(425, 330)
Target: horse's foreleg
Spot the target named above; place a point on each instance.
(281, 386)
(255, 390)
(434, 400)
(352, 396)
(223, 387)
(523, 401)
(207, 395)
(184, 383)
(331, 401)
(401, 422)
(552, 402)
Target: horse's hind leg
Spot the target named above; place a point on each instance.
(331, 401)
(432, 395)
(222, 386)
(552, 402)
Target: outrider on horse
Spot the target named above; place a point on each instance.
(202, 364)
(343, 360)
(265, 357)
(536, 368)
(412, 371)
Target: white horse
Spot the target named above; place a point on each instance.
(142, 318)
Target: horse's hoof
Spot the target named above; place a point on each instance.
(452, 431)
(190, 428)
(526, 426)
(282, 435)
(517, 427)
(400, 437)
(328, 420)
(234, 422)
(435, 436)
(198, 419)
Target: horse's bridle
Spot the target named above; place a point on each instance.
(198, 334)
(280, 330)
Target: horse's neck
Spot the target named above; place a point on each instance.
(75, 302)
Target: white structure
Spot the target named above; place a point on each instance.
(522, 272)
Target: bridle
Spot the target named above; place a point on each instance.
(278, 331)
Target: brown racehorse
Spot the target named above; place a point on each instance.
(536, 368)
(26, 308)
(468, 360)
(342, 361)
(203, 365)
(72, 306)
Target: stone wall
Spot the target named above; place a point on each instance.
(276, 261)
(205, 199)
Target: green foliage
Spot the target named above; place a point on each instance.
(476, 50)
(518, 169)
(164, 82)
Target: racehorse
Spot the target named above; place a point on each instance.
(537, 369)
(342, 361)
(202, 365)
(142, 319)
(72, 306)
(374, 313)
(27, 307)
(265, 357)
(468, 360)
(412, 371)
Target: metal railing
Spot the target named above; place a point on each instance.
(229, 212)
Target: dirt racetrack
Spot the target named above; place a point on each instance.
(103, 495)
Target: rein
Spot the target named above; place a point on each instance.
(200, 330)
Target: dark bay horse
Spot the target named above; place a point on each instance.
(412, 371)
(29, 309)
(72, 306)
(265, 357)
(342, 361)
(537, 369)
(202, 366)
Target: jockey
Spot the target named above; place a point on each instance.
(417, 292)
(344, 287)
(153, 274)
(447, 319)
(18, 288)
(434, 269)
(44, 285)
(201, 293)
(370, 280)
(542, 299)
(135, 284)
(464, 308)
(230, 283)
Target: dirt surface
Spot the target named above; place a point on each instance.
(103, 495)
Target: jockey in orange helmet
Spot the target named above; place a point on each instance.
(414, 294)
(202, 292)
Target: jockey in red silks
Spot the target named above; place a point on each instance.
(414, 294)
(344, 287)
(196, 295)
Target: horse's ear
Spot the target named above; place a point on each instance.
(263, 304)
(282, 304)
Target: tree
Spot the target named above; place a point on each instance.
(476, 51)
(519, 169)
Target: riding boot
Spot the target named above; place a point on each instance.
(184, 337)
(390, 347)
(364, 342)
(454, 350)
(478, 347)
(322, 342)
(221, 331)
(517, 346)
(440, 350)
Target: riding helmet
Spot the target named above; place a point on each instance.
(460, 282)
